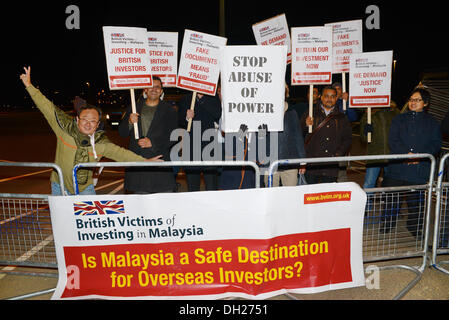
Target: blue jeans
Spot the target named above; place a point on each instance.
(371, 175)
(56, 190)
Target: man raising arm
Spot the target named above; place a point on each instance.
(78, 140)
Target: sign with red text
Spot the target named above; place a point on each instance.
(199, 62)
(347, 39)
(163, 52)
(253, 87)
(370, 79)
(311, 55)
(198, 245)
(274, 32)
(127, 57)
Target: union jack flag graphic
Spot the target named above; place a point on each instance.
(94, 208)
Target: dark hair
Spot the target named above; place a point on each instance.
(328, 88)
(425, 95)
(88, 107)
(157, 78)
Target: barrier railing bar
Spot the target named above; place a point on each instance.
(165, 164)
(438, 216)
(33, 165)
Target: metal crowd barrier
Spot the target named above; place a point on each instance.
(386, 234)
(441, 224)
(166, 164)
(26, 236)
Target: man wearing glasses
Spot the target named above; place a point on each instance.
(78, 141)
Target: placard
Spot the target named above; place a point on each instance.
(127, 58)
(253, 87)
(347, 39)
(199, 62)
(311, 55)
(199, 246)
(163, 54)
(274, 32)
(370, 79)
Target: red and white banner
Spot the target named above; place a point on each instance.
(347, 40)
(127, 58)
(209, 245)
(370, 79)
(164, 56)
(199, 62)
(311, 55)
(274, 32)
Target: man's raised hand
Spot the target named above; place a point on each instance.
(26, 77)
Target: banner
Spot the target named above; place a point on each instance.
(253, 87)
(274, 32)
(199, 63)
(127, 57)
(164, 56)
(370, 79)
(254, 243)
(347, 39)
(311, 55)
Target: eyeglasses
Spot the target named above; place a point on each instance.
(84, 120)
(415, 100)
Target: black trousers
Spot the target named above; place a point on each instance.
(193, 177)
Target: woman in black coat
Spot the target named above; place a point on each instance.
(412, 132)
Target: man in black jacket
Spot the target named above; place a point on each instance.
(156, 120)
(207, 110)
(331, 137)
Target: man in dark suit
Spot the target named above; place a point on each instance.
(156, 119)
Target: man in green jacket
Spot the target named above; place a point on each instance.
(78, 141)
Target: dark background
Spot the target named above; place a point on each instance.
(62, 60)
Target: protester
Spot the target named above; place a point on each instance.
(206, 113)
(303, 107)
(412, 132)
(290, 146)
(351, 113)
(78, 141)
(155, 120)
(380, 127)
(331, 137)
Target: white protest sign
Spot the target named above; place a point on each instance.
(164, 56)
(273, 32)
(127, 57)
(253, 87)
(347, 39)
(302, 239)
(311, 55)
(370, 79)
(199, 62)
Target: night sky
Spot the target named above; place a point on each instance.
(34, 33)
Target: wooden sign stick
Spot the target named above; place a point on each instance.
(369, 122)
(343, 89)
(192, 107)
(133, 108)
(311, 105)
